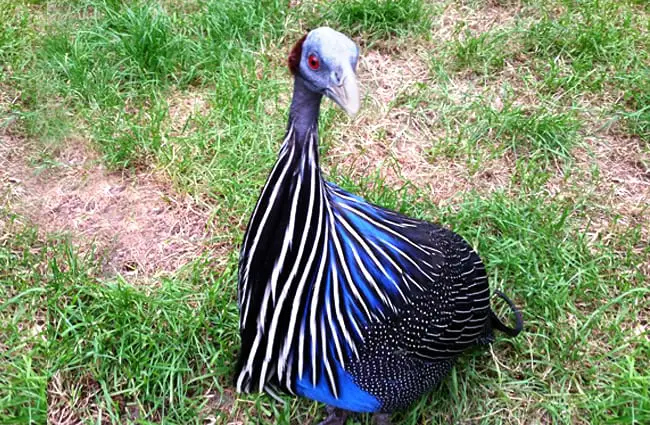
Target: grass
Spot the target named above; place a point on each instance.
(482, 54)
(377, 19)
(510, 129)
(197, 93)
(23, 354)
(589, 47)
(167, 344)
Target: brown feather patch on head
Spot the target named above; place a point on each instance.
(294, 56)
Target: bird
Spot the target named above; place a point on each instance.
(342, 301)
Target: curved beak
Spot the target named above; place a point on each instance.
(346, 92)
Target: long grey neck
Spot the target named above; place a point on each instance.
(305, 106)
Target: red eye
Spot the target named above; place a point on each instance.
(313, 62)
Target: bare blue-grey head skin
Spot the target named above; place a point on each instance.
(336, 76)
(336, 57)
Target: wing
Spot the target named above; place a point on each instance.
(429, 275)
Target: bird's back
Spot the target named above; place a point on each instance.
(445, 309)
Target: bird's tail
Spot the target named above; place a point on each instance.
(498, 324)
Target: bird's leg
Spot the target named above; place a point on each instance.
(381, 419)
(335, 416)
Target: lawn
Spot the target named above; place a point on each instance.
(135, 137)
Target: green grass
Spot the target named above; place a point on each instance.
(159, 349)
(510, 129)
(528, 94)
(552, 267)
(483, 53)
(570, 50)
(23, 321)
(636, 110)
(377, 19)
(479, 128)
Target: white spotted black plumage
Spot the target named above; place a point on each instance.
(408, 355)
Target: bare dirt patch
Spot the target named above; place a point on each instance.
(136, 222)
(183, 108)
(624, 175)
(457, 17)
(75, 401)
(622, 190)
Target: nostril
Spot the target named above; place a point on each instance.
(337, 77)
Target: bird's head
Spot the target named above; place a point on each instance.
(327, 62)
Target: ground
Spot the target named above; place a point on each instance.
(135, 137)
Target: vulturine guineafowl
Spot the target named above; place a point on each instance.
(342, 301)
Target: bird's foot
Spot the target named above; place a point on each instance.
(381, 419)
(335, 416)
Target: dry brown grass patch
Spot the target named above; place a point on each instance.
(624, 179)
(71, 402)
(381, 138)
(389, 138)
(76, 401)
(611, 170)
(395, 141)
(184, 107)
(385, 76)
(137, 221)
(457, 17)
